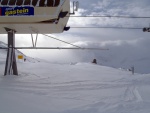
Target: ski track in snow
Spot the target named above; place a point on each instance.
(116, 95)
(131, 93)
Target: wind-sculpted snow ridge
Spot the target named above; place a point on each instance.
(44, 87)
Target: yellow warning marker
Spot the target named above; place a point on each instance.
(20, 56)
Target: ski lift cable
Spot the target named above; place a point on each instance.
(99, 16)
(80, 27)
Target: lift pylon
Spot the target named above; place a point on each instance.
(11, 65)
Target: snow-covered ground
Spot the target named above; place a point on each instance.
(45, 87)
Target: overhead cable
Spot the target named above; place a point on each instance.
(99, 16)
(80, 27)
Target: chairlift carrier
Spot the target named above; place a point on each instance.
(29, 16)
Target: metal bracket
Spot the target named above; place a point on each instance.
(75, 7)
(33, 30)
(34, 43)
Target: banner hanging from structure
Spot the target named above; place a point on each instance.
(16, 11)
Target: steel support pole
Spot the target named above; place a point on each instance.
(11, 65)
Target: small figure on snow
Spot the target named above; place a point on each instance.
(94, 61)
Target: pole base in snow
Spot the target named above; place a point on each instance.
(11, 65)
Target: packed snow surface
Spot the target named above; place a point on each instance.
(44, 87)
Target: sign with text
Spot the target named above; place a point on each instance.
(16, 11)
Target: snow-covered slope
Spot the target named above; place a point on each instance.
(80, 88)
(121, 54)
(3, 53)
(44, 87)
